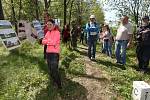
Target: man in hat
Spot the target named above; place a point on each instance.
(143, 44)
(123, 40)
(92, 36)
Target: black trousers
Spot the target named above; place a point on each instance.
(143, 55)
(45, 47)
(53, 61)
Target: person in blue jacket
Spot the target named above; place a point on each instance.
(92, 29)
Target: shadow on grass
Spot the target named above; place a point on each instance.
(84, 53)
(70, 91)
(2, 84)
(91, 77)
(82, 48)
(131, 55)
(148, 71)
(134, 66)
(110, 64)
(39, 61)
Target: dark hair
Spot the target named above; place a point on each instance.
(52, 21)
(125, 16)
(107, 27)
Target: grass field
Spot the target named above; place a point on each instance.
(24, 74)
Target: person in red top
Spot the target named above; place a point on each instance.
(66, 34)
(52, 40)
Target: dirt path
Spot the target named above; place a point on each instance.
(95, 81)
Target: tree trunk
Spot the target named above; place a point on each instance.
(20, 7)
(46, 4)
(70, 12)
(79, 12)
(36, 11)
(65, 11)
(14, 15)
(1, 11)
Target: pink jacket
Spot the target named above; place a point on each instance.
(52, 40)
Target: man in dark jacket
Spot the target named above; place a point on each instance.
(143, 44)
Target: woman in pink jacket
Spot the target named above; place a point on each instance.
(52, 40)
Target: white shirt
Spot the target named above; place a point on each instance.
(123, 32)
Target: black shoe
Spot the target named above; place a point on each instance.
(59, 85)
(123, 67)
(144, 70)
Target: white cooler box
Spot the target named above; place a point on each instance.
(141, 90)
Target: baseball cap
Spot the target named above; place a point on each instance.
(92, 16)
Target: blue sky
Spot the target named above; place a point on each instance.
(110, 15)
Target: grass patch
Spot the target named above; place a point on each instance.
(122, 80)
(24, 75)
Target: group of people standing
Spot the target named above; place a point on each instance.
(94, 32)
(123, 40)
(70, 36)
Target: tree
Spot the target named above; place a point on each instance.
(47, 4)
(36, 9)
(20, 8)
(65, 11)
(77, 10)
(70, 12)
(134, 8)
(1, 11)
(13, 15)
(98, 12)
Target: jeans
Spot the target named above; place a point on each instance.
(52, 61)
(107, 47)
(120, 51)
(110, 49)
(92, 46)
(143, 55)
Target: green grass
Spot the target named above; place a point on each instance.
(24, 75)
(122, 80)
